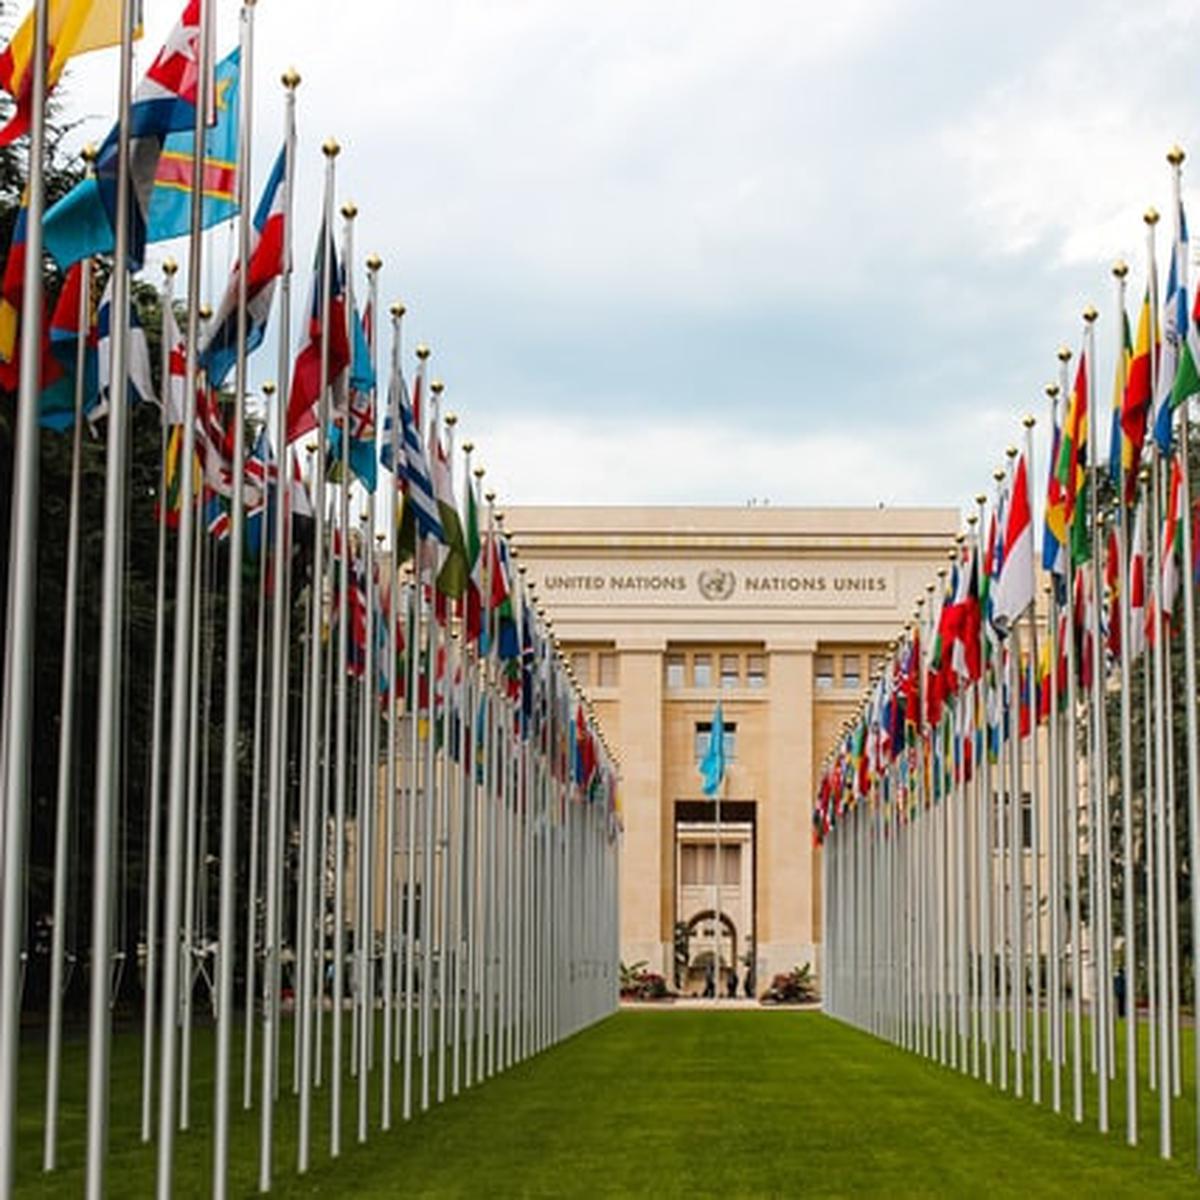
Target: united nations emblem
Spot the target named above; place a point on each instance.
(716, 583)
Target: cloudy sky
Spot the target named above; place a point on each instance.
(693, 252)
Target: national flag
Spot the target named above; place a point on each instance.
(218, 351)
(83, 221)
(964, 626)
(1135, 409)
(421, 512)
(306, 377)
(175, 386)
(1014, 588)
(476, 623)
(170, 211)
(1117, 451)
(214, 443)
(712, 766)
(1043, 682)
(1170, 540)
(1072, 461)
(73, 27)
(216, 515)
(1137, 583)
(1083, 628)
(1187, 377)
(1112, 582)
(140, 381)
(362, 412)
(452, 576)
(12, 291)
(56, 406)
(1175, 332)
(1054, 528)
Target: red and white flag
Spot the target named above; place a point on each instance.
(1013, 593)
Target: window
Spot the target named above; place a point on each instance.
(731, 672)
(704, 731)
(696, 863)
(851, 666)
(606, 669)
(702, 670)
(674, 670)
(581, 661)
(823, 670)
(756, 670)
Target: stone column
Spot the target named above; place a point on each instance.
(641, 741)
(789, 934)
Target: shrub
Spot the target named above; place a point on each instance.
(637, 983)
(796, 986)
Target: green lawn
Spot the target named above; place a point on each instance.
(666, 1104)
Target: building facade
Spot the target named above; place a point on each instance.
(778, 613)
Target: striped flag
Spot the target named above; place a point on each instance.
(1170, 540)
(1014, 588)
(1175, 331)
(1137, 583)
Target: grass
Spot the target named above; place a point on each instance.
(684, 1103)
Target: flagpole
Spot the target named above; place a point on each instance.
(1035, 816)
(389, 910)
(277, 756)
(181, 664)
(985, 828)
(66, 746)
(330, 149)
(1176, 157)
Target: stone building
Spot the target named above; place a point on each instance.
(778, 613)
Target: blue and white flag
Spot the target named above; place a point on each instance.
(712, 766)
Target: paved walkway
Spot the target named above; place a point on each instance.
(693, 1003)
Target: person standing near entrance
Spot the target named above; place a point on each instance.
(710, 982)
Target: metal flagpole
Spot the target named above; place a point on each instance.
(66, 747)
(153, 852)
(1096, 783)
(342, 750)
(181, 670)
(985, 968)
(233, 637)
(278, 723)
(1128, 897)
(330, 149)
(1035, 815)
(1176, 157)
(22, 597)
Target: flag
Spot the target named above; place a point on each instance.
(1175, 332)
(60, 351)
(476, 623)
(218, 351)
(175, 385)
(712, 766)
(1072, 460)
(1014, 588)
(306, 376)
(1135, 408)
(12, 291)
(452, 577)
(170, 211)
(1137, 583)
(361, 406)
(421, 510)
(83, 221)
(1170, 540)
(1187, 377)
(1116, 443)
(139, 380)
(73, 27)
(216, 515)
(1112, 581)
(1054, 528)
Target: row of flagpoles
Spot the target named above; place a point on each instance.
(415, 830)
(1011, 821)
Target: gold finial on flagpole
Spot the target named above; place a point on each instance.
(330, 148)
(397, 310)
(1176, 155)
(467, 447)
(999, 474)
(489, 495)
(1011, 453)
(290, 79)
(374, 262)
(1029, 421)
(423, 352)
(478, 472)
(349, 210)
(973, 520)
(451, 420)
(437, 387)
(1064, 354)
(1090, 313)
(170, 266)
(90, 153)
(1150, 216)
(1120, 268)
(268, 389)
(1051, 390)
(205, 311)
(981, 497)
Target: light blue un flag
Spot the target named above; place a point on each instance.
(712, 766)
